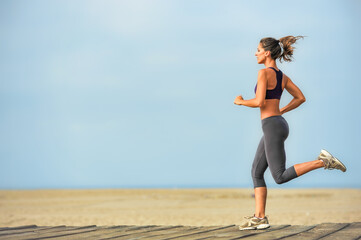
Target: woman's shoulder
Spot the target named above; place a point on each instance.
(266, 71)
(263, 71)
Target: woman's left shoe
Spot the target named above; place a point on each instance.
(330, 162)
(254, 223)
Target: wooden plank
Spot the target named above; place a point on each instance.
(20, 231)
(65, 232)
(321, 230)
(235, 233)
(179, 232)
(98, 233)
(130, 235)
(198, 233)
(184, 233)
(281, 233)
(325, 231)
(129, 231)
(157, 232)
(19, 227)
(352, 231)
(104, 232)
(39, 231)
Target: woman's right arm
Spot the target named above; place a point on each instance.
(298, 97)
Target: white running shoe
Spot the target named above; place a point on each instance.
(253, 223)
(330, 162)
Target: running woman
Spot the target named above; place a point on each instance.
(270, 152)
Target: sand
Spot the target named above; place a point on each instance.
(189, 207)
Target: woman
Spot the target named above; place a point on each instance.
(270, 153)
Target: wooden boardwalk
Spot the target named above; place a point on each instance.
(325, 231)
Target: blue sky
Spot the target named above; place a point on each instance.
(111, 94)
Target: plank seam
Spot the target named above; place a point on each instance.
(297, 233)
(153, 230)
(61, 235)
(335, 231)
(186, 235)
(20, 227)
(257, 233)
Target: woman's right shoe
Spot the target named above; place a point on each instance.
(330, 162)
(253, 223)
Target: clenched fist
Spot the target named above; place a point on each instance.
(238, 100)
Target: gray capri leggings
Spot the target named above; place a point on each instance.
(271, 153)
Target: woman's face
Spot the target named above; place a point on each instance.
(261, 54)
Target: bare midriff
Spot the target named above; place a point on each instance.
(270, 108)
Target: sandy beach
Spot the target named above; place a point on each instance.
(192, 207)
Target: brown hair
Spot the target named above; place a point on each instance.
(274, 46)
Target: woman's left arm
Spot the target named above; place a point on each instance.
(259, 100)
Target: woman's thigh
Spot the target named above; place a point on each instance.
(275, 134)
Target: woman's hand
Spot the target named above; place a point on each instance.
(282, 111)
(238, 100)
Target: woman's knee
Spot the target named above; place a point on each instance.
(279, 179)
(258, 182)
(285, 176)
(258, 178)
(256, 174)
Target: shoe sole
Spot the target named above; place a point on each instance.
(259, 227)
(340, 163)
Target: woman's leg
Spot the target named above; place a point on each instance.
(305, 167)
(276, 131)
(260, 190)
(259, 165)
(260, 195)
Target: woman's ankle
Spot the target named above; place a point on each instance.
(260, 216)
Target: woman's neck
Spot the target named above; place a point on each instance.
(270, 63)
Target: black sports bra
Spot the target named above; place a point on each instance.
(277, 91)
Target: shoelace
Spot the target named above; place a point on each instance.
(332, 164)
(328, 163)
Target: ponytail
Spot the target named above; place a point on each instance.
(286, 43)
(280, 49)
